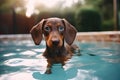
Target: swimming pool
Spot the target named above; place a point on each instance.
(22, 60)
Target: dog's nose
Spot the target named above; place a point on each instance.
(55, 42)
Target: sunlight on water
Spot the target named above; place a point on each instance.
(18, 76)
(29, 53)
(24, 61)
(8, 54)
(84, 75)
(39, 50)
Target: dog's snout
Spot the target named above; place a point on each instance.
(55, 41)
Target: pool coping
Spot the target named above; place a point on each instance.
(105, 36)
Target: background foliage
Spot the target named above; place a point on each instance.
(92, 15)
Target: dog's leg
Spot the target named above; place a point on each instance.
(63, 63)
(49, 65)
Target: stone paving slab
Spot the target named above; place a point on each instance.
(99, 36)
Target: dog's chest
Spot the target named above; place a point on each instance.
(58, 59)
(56, 55)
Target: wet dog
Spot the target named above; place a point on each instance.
(55, 31)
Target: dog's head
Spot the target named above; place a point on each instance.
(55, 30)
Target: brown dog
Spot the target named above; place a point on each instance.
(55, 31)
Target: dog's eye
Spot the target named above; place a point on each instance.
(61, 29)
(46, 28)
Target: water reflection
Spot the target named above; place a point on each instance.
(17, 76)
(23, 60)
(85, 75)
(116, 60)
(58, 73)
(8, 54)
(28, 53)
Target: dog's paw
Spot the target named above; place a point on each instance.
(48, 71)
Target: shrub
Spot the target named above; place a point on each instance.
(70, 16)
(107, 25)
(88, 20)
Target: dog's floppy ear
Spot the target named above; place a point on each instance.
(70, 32)
(36, 32)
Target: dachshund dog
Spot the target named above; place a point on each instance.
(55, 31)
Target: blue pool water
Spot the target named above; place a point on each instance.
(22, 60)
